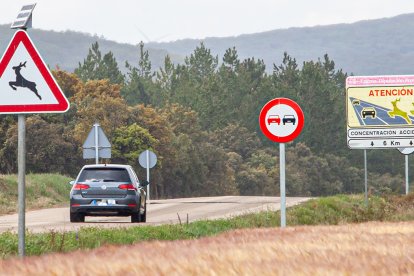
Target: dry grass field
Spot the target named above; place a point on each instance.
(356, 249)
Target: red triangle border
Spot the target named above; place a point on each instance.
(63, 104)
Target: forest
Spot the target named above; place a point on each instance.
(201, 119)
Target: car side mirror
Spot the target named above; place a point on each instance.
(72, 182)
(143, 183)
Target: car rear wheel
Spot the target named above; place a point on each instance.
(75, 217)
(135, 218)
(144, 215)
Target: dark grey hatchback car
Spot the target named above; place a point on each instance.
(108, 190)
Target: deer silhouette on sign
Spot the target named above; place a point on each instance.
(22, 82)
(398, 112)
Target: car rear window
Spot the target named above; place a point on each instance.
(105, 175)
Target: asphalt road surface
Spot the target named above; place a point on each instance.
(382, 118)
(158, 212)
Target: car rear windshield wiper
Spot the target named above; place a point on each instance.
(93, 180)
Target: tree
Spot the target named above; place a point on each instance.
(129, 141)
(48, 149)
(236, 138)
(166, 81)
(99, 101)
(256, 176)
(203, 91)
(68, 82)
(139, 84)
(319, 89)
(201, 64)
(96, 67)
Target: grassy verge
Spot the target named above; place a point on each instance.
(42, 191)
(330, 210)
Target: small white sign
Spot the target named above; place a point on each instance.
(380, 143)
(147, 157)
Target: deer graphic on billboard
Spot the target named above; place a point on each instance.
(21, 81)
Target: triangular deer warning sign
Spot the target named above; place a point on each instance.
(26, 84)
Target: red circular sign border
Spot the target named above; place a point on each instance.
(269, 105)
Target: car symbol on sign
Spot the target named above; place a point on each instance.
(273, 119)
(289, 119)
(368, 111)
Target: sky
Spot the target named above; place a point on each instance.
(129, 21)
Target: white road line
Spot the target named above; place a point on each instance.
(383, 121)
(360, 117)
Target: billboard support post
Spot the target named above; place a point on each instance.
(407, 184)
(366, 178)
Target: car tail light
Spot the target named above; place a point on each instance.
(75, 205)
(128, 187)
(81, 187)
(132, 205)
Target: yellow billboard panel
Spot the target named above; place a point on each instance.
(380, 106)
(380, 112)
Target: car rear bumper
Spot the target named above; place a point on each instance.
(100, 206)
(104, 211)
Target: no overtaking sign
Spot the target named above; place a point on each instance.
(281, 120)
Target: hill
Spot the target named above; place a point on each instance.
(67, 49)
(368, 47)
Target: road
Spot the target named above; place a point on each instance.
(382, 118)
(158, 212)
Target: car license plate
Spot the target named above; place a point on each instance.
(102, 203)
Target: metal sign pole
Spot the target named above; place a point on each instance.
(148, 175)
(21, 163)
(366, 177)
(96, 144)
(276, 108)
(282, 185)
(406, 175)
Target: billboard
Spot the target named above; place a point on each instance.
(380, 111)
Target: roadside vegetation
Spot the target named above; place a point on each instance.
(201, 119)
(372, 248)
(42, 191)
(333, 210)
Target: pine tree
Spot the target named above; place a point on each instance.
(96, 67)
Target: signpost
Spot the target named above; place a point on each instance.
(96, 144)
(380, 115)
(281, 120)
(27, 86)
(407, 184)
(406, 152)
(147, 159)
